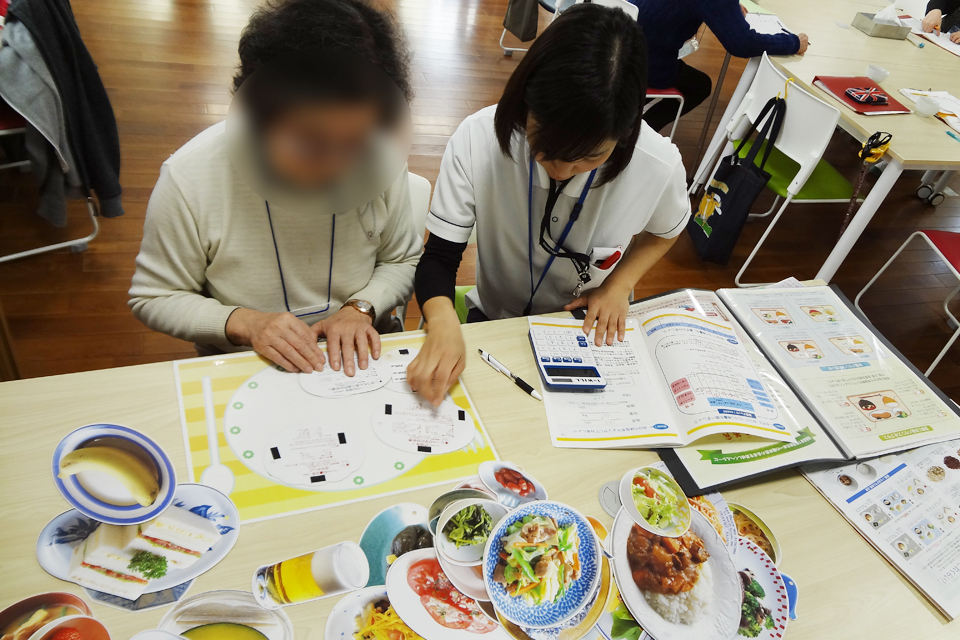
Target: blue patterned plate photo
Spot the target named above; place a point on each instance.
(57, 540)
(98, 495)
(577, 596)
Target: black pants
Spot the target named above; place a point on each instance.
(695, 86)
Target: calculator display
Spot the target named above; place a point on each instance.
(571, 372)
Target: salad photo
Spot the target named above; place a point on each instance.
(659, 505)
(470, 526)
(539, 560)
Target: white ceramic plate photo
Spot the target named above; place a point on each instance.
(465, 555)
(412, 610)
(718, 620)
(342, 623)
(57, 540)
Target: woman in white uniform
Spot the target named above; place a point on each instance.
(573, 197)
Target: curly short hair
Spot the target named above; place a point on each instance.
(284, 27)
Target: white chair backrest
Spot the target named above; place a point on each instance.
(807, 128)
(629, 8)
(419, 201)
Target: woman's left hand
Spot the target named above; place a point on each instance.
(348, 331)
(607, 306)
(955, 37)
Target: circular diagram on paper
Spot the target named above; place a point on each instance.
(271, 402)
(397, 362)
(336, 384)
(415, 426)
(309, 455)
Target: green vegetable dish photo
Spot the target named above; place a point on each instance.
(149, 565)
(624, 627)
(469, 527)
(754, 617)
(539, 560)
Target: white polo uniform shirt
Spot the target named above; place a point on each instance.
(479, 186)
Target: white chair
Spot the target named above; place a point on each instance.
(798, 152)
(419, 207)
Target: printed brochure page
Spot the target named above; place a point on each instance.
(871, 401)
(724, 458)
(677, 377)
(906, 506)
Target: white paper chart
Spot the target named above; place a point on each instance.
(337, 384)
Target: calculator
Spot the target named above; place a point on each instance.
(565, 358)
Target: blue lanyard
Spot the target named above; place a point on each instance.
(283, 285)
(574, 215)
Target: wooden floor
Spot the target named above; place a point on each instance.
(167, 66)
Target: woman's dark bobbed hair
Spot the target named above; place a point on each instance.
(290, 27)
(584, 81)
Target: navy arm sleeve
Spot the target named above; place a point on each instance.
(437, 270)
(727, 22)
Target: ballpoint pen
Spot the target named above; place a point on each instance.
(953, 135)
(493, 362)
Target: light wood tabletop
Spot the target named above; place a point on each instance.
(835, 51)
(847, 590)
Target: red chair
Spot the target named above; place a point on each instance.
(657, 95)
(946, 244)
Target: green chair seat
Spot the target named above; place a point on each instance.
(825, 183)
(460, 302)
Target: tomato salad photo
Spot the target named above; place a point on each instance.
(445, 604)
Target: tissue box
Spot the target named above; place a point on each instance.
(865, 22)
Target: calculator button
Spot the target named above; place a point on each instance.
(584, 344)
(544, 359)
(556, 359)
(578, 360)
(568, 359)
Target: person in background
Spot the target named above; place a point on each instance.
(943, 16)
(573, 197)
(668, 24)
(324, 247)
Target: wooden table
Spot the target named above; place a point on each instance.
(918, 143)
(847, 590)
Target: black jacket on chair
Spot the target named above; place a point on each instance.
(91, 126)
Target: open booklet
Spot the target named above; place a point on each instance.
(839, 388)
(677, 377)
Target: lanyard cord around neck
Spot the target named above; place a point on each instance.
(580, 261)
(283, 285)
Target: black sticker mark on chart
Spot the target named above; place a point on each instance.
(404, 352)
(275, 452)
(342, 437)
(423, 449)
(318, 478)
(388, 409)
(463, 414)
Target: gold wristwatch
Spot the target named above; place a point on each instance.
(363, 307)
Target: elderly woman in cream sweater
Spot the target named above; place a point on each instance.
(290, 222)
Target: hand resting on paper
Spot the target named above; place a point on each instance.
(347, 332)
(281, 337)
(931, 21)
(804, 43)
(442, 357)
(607, 307)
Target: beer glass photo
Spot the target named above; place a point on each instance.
(329, 571)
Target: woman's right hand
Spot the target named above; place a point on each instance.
(931, 21)
(442, 357)
(804, 43)
(282, 337)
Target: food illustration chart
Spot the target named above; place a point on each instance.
(299, 442)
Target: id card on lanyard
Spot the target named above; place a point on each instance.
(583, 276)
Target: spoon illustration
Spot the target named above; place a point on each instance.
(217, 475)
